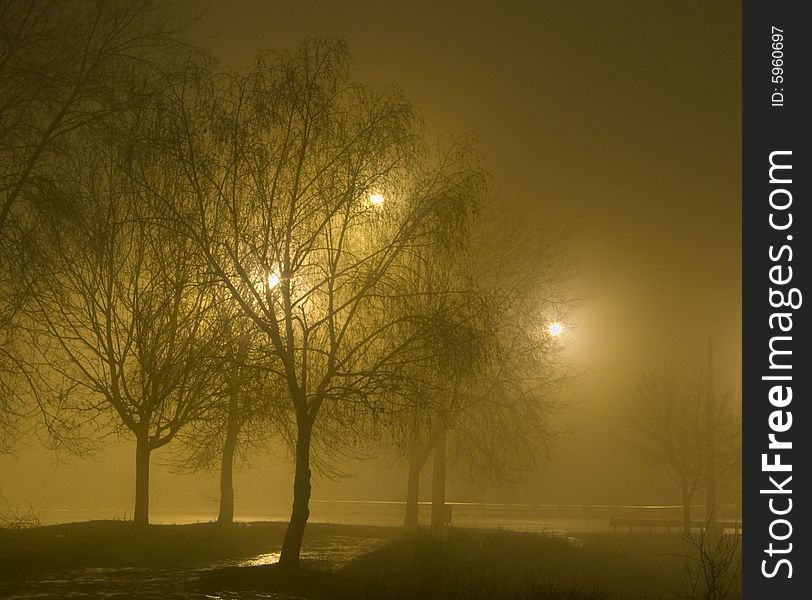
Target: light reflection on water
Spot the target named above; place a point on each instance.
(263, 559)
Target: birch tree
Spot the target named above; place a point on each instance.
(310, 193)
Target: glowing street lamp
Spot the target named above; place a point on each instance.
(555, 329)
(376, 199)
(273, 280)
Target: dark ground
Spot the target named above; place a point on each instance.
(343, 563)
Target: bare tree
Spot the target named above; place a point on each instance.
(64, 66)
(246, 411)
(495, 369)
(714, 566)
(665, 418)
(124, 313)
(451, 347)
(310, 193)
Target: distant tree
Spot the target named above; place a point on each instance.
(65, 65)
(310, 193)
(665, 421)
(451, 348)
(494, 369)
(246, 409)
(123, 316)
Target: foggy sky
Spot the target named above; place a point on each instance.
(616, 122)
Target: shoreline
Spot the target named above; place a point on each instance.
(363, 561)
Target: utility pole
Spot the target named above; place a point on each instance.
(710, 446)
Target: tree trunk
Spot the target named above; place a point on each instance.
(142, 450)
(226, 514)
(438, 480)
(413, 485)
(292, 544)
(686, 509)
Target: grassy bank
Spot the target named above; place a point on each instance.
(384, 564)
(110, 544)
(494, 565)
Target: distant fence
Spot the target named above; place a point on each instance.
(615, 522)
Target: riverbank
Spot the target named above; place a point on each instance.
(341, 562)
(111, 544)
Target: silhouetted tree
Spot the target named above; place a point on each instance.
(246, 410)
(450, 350)
(310, 193)
(495, 369)
(665, 419)
(124, 312)
(65, 65)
